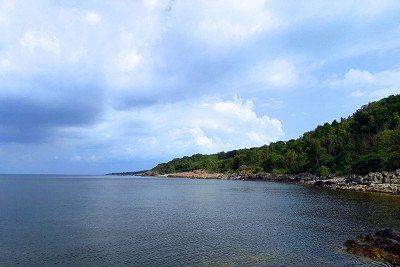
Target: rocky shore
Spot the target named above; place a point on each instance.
(380, 245)
(385, 182)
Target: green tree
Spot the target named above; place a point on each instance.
(369, 140)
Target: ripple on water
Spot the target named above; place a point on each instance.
(178, 222)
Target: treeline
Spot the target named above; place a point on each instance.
(367, 141)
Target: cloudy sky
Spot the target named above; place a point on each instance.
(102, 86)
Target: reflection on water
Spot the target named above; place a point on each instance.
(153, 221)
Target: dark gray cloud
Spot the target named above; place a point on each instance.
(26, 119)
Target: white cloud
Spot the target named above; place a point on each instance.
(354, 76)
(293, 10)
(372, 8)
(6, 7)
(277, 73)
(55, 36)
(128, 61)
(184, 128)
(226, 22)
(381, 93)
(152, 4)
(5, 63)
(357, 93)
(374, 85)
(386, 78)
(93, 18)
(33, 40)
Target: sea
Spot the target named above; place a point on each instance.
(72, 220)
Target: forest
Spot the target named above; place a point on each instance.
(367, 141)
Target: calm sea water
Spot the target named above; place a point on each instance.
(142, 221)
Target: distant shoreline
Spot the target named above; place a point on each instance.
(380, 182)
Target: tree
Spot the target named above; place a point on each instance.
(369, 140)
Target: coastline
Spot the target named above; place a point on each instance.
(380, 182)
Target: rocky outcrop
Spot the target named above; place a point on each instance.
(380, 245)
(385, 182)
(138, 173)
(376, 177)
(200, 174)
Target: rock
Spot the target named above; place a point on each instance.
(379, 245)
(385, 182)
(354, 179)
(319, 183)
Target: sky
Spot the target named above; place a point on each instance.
(91, 87)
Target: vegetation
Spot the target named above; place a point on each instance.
(367, 141)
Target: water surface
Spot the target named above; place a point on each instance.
(105, 220)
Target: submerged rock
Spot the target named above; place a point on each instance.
(379, 245)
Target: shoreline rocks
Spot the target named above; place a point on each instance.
(379, 245)
(384, 182)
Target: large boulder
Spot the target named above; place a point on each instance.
(379, 245)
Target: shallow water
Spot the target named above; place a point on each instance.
(105, 220)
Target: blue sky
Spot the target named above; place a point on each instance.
(102, 86)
